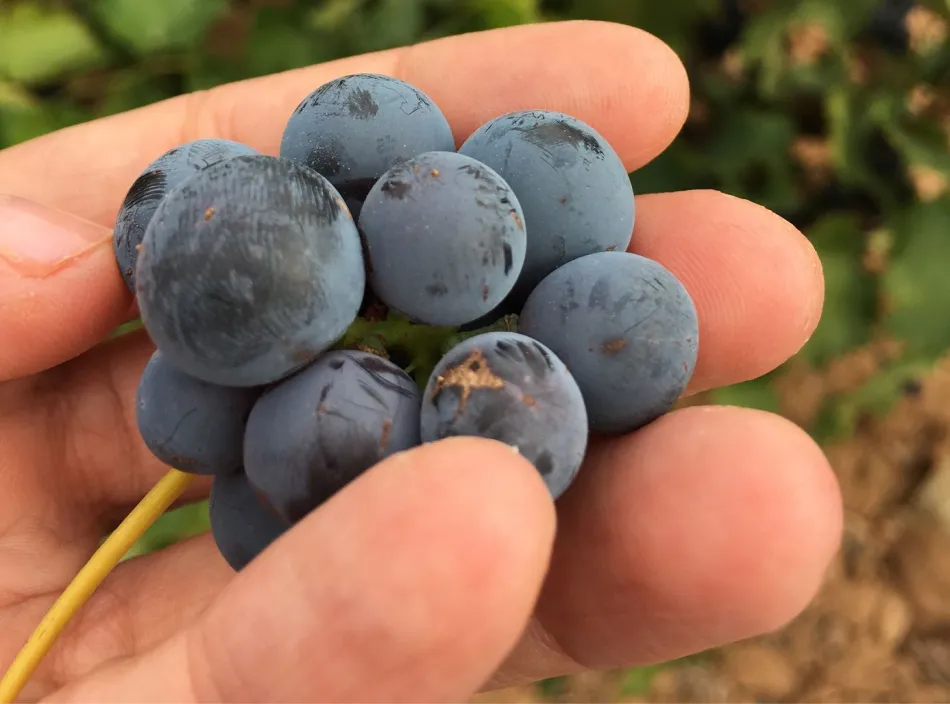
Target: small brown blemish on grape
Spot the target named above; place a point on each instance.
(384, 437)
(183, 463)
(562, 200)
(529, 401)
(612, 248)
(209, 213)
(138, 248)
(435, 173)
(375, 311)
(473, 373)
(485, 293)
(614, 346)
(377, 350)
(517, 219)
(301, 353)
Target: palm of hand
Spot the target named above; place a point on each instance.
(711, 524)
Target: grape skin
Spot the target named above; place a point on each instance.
(355, 128)
(161, 176)
(190, 424)
(249, 270)
(314, 433)
(445, 238)
(507, 387)
(574, 189)
(626, 328)
(242, 526)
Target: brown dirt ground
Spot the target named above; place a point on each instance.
(879, 631)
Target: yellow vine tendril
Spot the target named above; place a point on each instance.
(140, 519)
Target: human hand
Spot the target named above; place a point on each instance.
(432, 575)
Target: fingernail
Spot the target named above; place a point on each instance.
(36, 241)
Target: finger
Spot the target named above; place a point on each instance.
(660, 553)
(371, 597)
(143, 602)
(711, 525)
(60, 290)
(601, 73)
(756, 280)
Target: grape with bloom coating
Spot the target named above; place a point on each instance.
(445, 238)
(626, 328)
(190, 424)
(508, 387)
(312, 434)
(249, 270)
(572, 185)
(161, 176)
(354, 128)
(241, 525)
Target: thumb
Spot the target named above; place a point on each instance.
(60, 289)
(413, 584)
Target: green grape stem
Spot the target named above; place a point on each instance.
(422, 345)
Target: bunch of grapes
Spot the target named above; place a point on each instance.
(373, 288)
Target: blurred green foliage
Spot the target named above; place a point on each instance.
(834, 113)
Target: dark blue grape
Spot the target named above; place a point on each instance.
(249, 270)
(355, 128)
(508, 387)
(241, 524)
(574, 189)
(190, 424)
(312, 434)
(627, 330)
(161, 176)
(445, 238)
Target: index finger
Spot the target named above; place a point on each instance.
(626, 83)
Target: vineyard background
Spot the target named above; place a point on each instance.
(834, 113)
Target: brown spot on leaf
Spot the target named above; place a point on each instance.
(614, 346)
